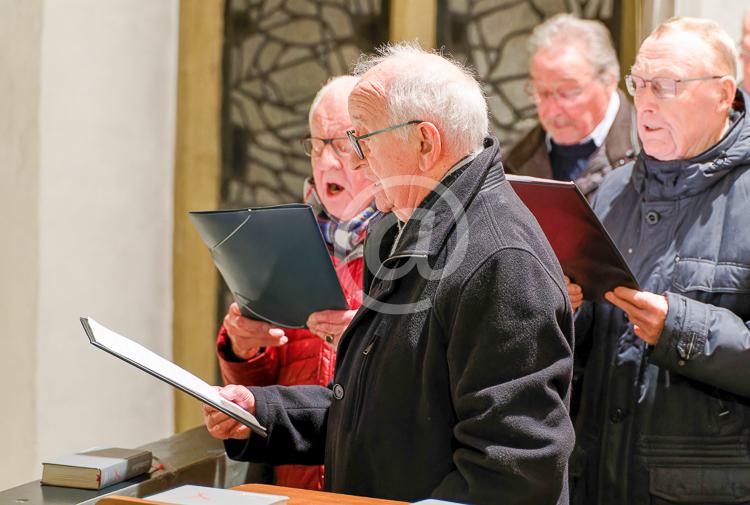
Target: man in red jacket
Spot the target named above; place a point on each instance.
(255, 353)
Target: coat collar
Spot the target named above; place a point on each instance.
(425, 233)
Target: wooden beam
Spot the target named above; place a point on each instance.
(631, 30)
(196, 187)
(414, 19)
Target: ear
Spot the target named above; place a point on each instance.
(430, 146)
(727, 90)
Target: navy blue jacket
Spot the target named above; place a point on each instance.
(671, 423)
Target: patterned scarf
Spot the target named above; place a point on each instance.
(345, 239)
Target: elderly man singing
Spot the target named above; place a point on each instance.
(453, 379)
(587, 126)
(665, 412)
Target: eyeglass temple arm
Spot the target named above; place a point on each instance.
(413, 121)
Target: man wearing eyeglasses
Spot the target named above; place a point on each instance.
(453, 379)
(586, 124)
(252, 352)
(665, 411)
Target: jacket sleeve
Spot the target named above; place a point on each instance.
(705, 343)
(295, 418)
(261, 370)
(510, 364)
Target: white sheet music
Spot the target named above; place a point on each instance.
(142, 357)
(200, 495)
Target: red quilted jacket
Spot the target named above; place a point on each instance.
(305, 359)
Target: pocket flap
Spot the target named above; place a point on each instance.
(716, 484)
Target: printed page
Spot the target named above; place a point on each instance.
(142, 357)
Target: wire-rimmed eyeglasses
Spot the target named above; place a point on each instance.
(662, 87)
(354, 139)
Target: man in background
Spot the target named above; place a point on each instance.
(586, 125)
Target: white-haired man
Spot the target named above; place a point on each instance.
(453, 379)
(665, 412)
(587, 125)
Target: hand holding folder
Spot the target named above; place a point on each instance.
(582, 245)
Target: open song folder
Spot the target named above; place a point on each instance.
(274, 261)
(583, 247)
(163, 369)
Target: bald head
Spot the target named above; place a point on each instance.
(716, 49)
(336, 89)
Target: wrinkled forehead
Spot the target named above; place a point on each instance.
(674, 54)
(368, 98)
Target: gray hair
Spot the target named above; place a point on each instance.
(453, 102)
(333, 82)
(592, 36)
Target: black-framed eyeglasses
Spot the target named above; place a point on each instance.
(662, 87)
(313, 146)
(354, 139)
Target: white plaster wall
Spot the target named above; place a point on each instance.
(20, 29)
(107, 122)
(728, 13)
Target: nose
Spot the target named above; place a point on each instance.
(328, 158)
(549, 107)
(645, 99)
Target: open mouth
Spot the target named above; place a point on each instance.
(650, 128)
(333, 189)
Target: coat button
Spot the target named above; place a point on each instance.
(617, 416)
(652, 217)
(338, 391)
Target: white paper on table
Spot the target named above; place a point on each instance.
(161, 368)
(200, 495)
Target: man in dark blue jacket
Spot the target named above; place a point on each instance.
(665, 411)
(453, 379)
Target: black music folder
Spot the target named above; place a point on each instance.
(274, 261)
(583, 247)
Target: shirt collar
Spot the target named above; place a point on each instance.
(600, 132)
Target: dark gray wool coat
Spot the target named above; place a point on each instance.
(452, 385)
(671, 423)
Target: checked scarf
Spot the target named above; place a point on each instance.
(345, 239)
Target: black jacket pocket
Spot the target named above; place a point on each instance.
(698, 484)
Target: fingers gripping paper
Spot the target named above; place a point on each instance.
(163, 369)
